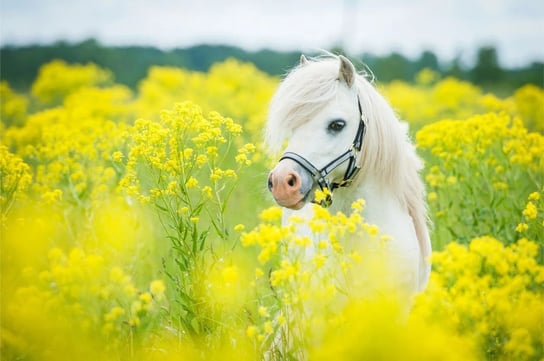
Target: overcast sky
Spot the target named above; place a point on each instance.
(447, 27)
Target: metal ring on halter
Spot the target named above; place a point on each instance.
(319, 175)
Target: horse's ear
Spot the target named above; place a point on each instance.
(347, 71)
(303, 60)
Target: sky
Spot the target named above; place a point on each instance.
(450, 28)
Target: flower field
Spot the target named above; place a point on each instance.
(136, 225)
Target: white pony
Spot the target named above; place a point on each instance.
(343, 135)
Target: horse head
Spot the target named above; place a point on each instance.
(320, 101)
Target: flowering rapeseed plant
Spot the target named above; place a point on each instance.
(57, 79)
(489, 293)
(431, 99)
(14, 179)
(238, 90)
(479, 172)
(178, 165)
(312, 276)
(13, 107)
(122, 224)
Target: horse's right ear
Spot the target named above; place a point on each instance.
(347, 71)
(303, 60)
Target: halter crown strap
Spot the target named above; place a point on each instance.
(319, 175)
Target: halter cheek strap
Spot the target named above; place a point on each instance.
(320, 175)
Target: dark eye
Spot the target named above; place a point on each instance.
(336, 125)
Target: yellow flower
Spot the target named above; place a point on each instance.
(322, 195)
(271, 214)
(371, 229)
(207, 191)
(251, 331)
(114, 314)
(230, 275)
(229, 173)
(530, 211)
(319, 260)
(535, 196)
(212, 151)
(355, 256)
(358, 205)
(520, 344)
(134, 321)
(263, 311)
(268, 327)
(522, 227)
(242, 159)
(191, 182)
(201, 159)
(52, 197)
(146, 298)
(157, 288)
(216, 174)
(117, 157)
(187, 153)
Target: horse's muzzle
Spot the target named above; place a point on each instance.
(289, 184)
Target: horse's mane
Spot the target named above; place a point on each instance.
(387, 153)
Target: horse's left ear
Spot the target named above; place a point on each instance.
(347, 71)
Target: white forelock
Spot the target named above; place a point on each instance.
(301, 95)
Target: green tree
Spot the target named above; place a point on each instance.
(487, 69)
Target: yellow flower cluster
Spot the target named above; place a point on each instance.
(15, 178)
(431, 99)
(529, 100)
(57, 79)
(71, 146)
(491, 294)
(479, 170)
(378, 330)
(87, 272)
(311, 274)
(238, 90)
(178, 163)
(74, 281)
(532, 219)
(503, 139)
(13, 107)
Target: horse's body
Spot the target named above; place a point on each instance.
(322, 108)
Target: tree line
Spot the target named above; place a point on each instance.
(19, 65)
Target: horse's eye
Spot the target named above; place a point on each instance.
(336, 125)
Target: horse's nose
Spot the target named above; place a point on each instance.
(284, 186)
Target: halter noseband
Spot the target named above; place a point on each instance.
(350, 156)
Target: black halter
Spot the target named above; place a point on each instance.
(350, 156)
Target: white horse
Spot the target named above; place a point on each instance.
(343, 135)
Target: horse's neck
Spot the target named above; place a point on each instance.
(382, 208)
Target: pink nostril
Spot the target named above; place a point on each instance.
(285, 186)
(293, 181)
